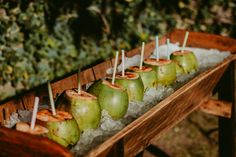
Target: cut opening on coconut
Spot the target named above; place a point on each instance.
(114, 86)
(181, 53)
(157, 62)
(73, 93)
(25, 127)
(47, 116)
(128, 75)
(144, 69)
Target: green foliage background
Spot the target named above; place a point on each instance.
(45, 39)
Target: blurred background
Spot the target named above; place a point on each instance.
(45, 39)
(42, 40)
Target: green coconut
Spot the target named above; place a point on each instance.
(84, 107)
(111, 97)
(165, 69)
(186, 60)
(133, 83)
(95, 88)
(62, 128)
(147, 75)
(179, 69)
(64, 132)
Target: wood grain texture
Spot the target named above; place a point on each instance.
(113, 60)
(114, 150)
(67, 83)
(1, 114)
(14, 143)
(149, 48)
(216, 107)
(28, 99)
(86, 76)
(100, 69)
(70, 82)
(8, 108)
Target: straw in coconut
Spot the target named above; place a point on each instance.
(35, 110)
(142, 53)
(114, 69)
(123, 63)
(79, 85)
(51, 99)
(168, 48)
(185, 41)
(156, 47)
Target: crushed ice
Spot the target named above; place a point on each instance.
(12, 120)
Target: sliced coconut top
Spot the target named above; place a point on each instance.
(114, 86)
(157, 62)
(144, 69)
(72, 93)
(128, 75)
(25, 127)
(47, 116)
(181, 53)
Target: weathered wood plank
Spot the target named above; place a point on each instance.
(86, 76)
(100, 69)
(70, 82)
(28, 100)
(115, 149)
(15, 143)
(113, 60)
(67, 83)
(216, 107)
(149, 48)
(8, 108)
(1, 114)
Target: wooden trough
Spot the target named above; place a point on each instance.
(136, 136)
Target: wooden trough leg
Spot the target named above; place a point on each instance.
(216, 107)
(117, 149)
(227, 91)
(156, 151)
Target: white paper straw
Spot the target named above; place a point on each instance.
(114, 69)
(123, 63)
(168, 48)
(79, 85)
(35, 110)
(156, 47)
(185, 41)
(51, 99)
(142, 53)
(157, 42)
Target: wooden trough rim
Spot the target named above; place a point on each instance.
(42, 146)
(174, 36)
